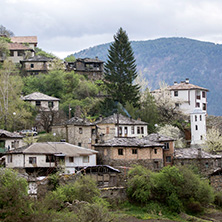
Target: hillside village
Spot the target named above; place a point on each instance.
(104, 147)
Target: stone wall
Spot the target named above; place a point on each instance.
(216, 182)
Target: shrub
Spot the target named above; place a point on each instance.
(218, 199)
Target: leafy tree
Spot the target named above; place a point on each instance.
(5, 32)
(213, 140)
(120, 70)
(4, 51)
(70, 58)
(13, 196)
(12, 109)
(41, 52)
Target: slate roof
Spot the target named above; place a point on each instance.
(79, 121)
(192, 153)
(185, 86)
(38, 58)
(24, 39)
(89, 60)
(18, 46)
(37, 96)
(123, 120)
(156, 137)
(66, 149)
(4, 133)
(129, 142)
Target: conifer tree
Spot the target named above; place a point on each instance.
(120, 70)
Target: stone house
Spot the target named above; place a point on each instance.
(30, 41)
(129, 151)
(18, 52)
(42, 101)
(118, 125)
(10, 141)
(35, 65)
(47, 156)
(168, 147)
(91, 68)
(205, 162)
(187, 96)
(77, 131)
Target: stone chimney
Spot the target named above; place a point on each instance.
(175, 82)
(187, 81)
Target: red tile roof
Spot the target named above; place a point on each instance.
(24, 39)
(18, 46)
(185, 86)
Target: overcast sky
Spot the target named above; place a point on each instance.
(67, 26)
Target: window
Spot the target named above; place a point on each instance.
(93, 131)
(2, 143)
(168, 159)
(86, 159)
(79, 144)
(204, 106)
(198, 94)
(197, 104)
(120, 151)
(196, 127)
(201, 137)
(132, 130)
(50, 104)
(13, 144)
(138, 130)
(107, 130)
(38, 103)
(166, 146)
(206, 165)
(71, 159)
(125, 130)
(32, 65)
(80, 130)
(12, 53)
(195, 118)
(20, 53)
(155, 151)
(134, 151)
(142, 130)
(120, 131)
(177, 105)
(9, 158)
(50, 158)
(200, 117)
(204, 94)
(32, 160)
(175, 93)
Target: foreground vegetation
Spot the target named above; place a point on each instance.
(162, 195)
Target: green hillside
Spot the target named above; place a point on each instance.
(174, 59)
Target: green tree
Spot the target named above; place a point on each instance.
(70, 58)
(120, 70)
(5, 32)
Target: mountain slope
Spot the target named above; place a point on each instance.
(174, 59)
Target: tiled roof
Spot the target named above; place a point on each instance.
(185, 86)
(123, 120)
(130, 142)
(4, 133)
(59, 148)
(79, 121)
(89, 60)
(192, 153)
(39, 96)
(158, 138)
(38, 58)
(24, 39)
(18, 46)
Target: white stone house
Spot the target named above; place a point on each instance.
(49, 155)
(198, 126)
(9, 140)
(187, 96)
(42, 101)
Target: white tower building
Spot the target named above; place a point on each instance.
(198, 126)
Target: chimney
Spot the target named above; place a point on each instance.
(187, 81)
(100, 117)
(175, 82)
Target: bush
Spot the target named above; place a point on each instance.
(218, 199)
(194, 207)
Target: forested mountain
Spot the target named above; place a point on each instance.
(174, 59)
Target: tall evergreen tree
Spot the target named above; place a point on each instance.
(120, 70)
